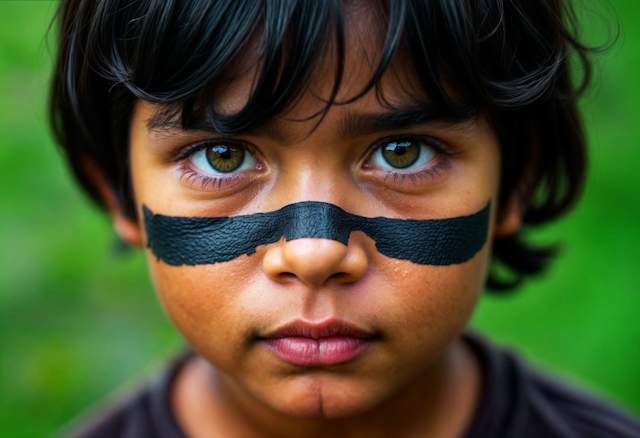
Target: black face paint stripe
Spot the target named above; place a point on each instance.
(206, 240)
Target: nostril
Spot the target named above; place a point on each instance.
(314, 261)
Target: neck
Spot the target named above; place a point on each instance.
(439, 404)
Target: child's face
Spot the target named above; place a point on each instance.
(411, 312)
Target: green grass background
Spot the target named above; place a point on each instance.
(77, 320)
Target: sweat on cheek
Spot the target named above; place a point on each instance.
(206, 240)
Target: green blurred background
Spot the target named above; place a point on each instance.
(79, 320)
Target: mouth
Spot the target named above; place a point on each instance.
(329, 342)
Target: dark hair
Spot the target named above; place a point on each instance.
(509, 59)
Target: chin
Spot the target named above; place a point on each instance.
(321, 397)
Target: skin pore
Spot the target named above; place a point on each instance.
(418, 378)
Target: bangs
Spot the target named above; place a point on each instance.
(181, 54)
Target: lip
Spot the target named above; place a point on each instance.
(329, 342)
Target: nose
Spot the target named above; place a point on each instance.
(315, 261)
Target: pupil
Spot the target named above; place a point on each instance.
(403, 148)
(225, 153)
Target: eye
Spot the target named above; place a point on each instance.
(403, 154)
(223, 158)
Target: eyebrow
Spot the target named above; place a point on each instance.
(357, 124)
(161, 126)
(353, 125)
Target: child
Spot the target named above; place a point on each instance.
(321, 188)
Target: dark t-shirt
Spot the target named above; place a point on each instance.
(516, 402)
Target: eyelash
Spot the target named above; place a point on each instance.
(189, 175)
(196, 147)
(429, 174)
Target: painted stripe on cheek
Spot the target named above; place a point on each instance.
(206, 240)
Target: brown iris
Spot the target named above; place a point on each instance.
(401, 154)
(225, 158)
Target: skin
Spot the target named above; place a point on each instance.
(419, 378)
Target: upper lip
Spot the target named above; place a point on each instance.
(321, 329)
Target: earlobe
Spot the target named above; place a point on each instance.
(128, 229)
(510, 220)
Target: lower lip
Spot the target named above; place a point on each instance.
(332, 350)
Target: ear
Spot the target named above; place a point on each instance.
(128, 229)
(510, 219)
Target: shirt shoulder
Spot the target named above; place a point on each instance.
(519, 402)
(146, 413)
(126, 420)
(575, 413)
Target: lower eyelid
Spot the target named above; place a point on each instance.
(429, 175)
(197, 180)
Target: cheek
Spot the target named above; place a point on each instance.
(205, 303)
(429, 305)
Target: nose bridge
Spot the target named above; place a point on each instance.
(316, 247)
(317, 220)
(313, 178)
